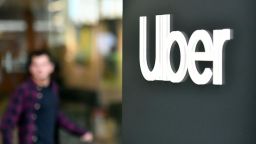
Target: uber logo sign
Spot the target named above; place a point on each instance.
(189, 56)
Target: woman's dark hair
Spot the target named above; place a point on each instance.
(38, 53)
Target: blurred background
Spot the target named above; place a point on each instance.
(85, 38)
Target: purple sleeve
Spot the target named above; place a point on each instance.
(11, 116)
(68, 125)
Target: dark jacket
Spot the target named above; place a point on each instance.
(21, 112)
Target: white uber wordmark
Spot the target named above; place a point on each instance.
(213, 51)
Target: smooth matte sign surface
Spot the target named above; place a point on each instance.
(162, 112)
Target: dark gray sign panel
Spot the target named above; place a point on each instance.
(162, 112)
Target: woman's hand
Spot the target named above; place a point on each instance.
(87, 137)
